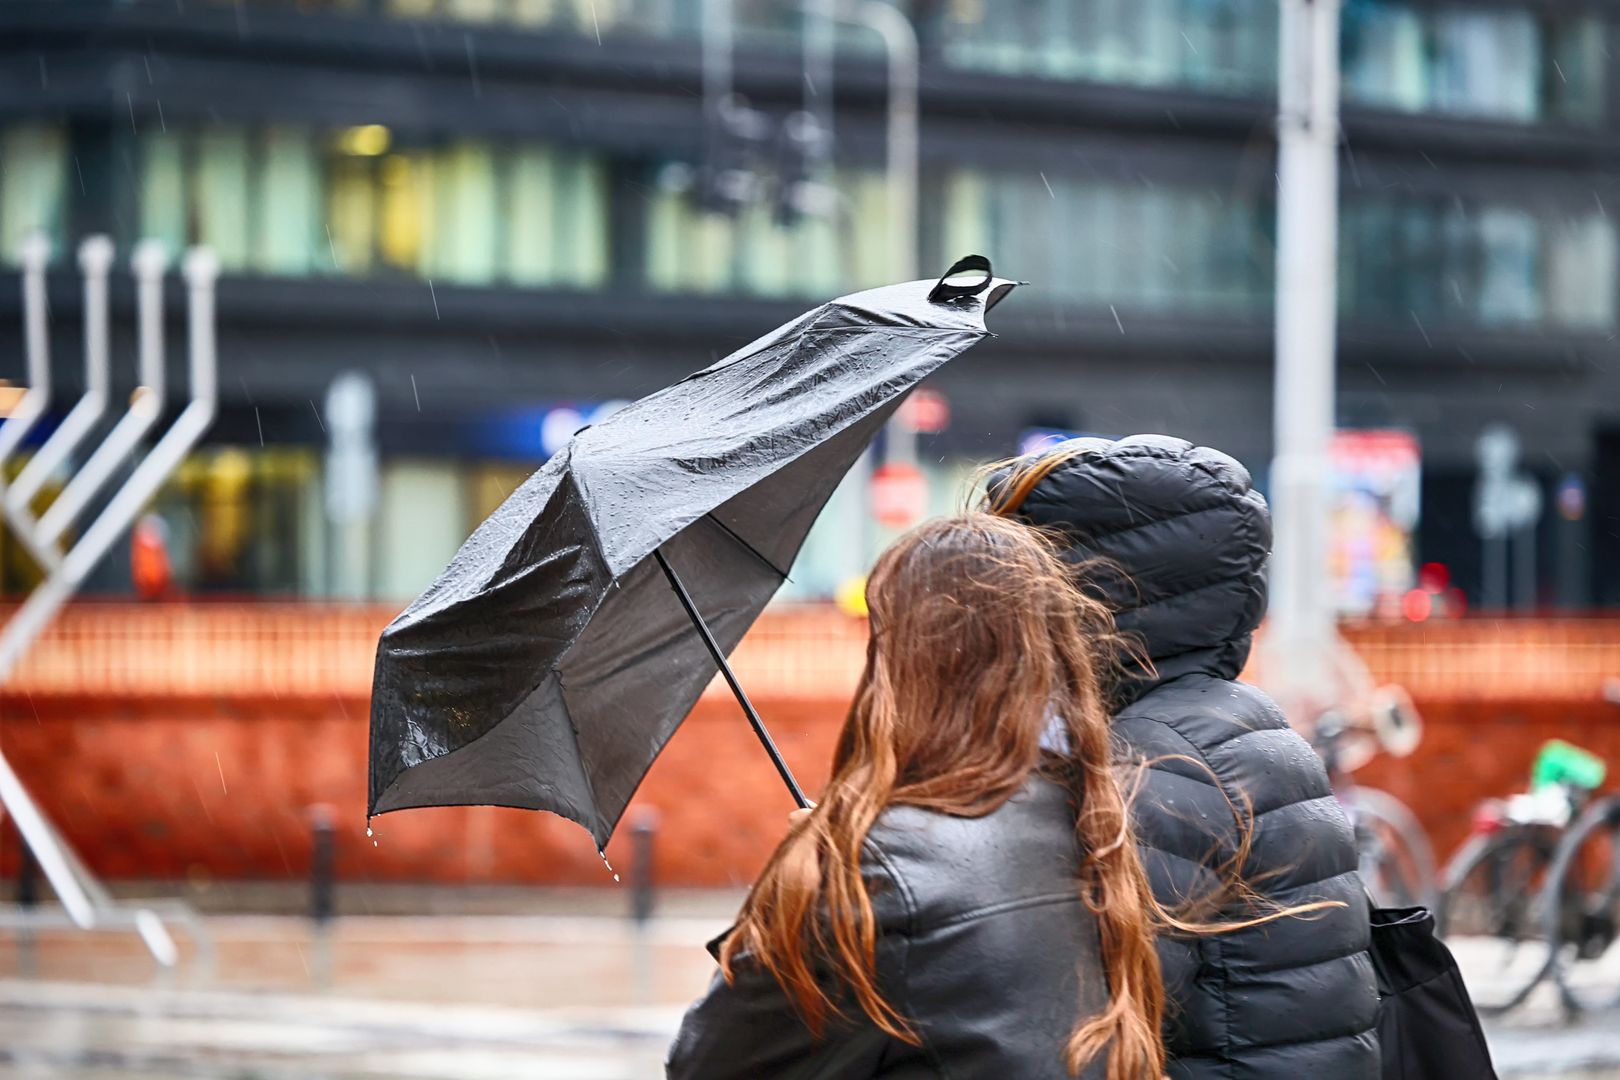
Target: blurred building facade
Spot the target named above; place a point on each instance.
(488, 208)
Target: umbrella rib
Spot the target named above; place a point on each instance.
(750, 548)
(719, 656)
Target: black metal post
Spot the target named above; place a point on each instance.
(731, 679)
(643, 881)
(322, 906)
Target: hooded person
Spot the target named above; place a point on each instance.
(1176, 540)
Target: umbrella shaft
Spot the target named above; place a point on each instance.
(731, 679)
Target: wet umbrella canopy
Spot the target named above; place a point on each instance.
(551, 661)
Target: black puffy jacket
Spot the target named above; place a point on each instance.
(1181, 542)
(983, 942)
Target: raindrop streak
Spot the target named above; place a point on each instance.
(435, 298)
(597, 24)
(1048, 184)
(259, 422)
(607, 864)
(416, 395)
(1116, 318)
(131, 102)
(472, 65)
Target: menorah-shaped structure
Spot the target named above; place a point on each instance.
(85, 903)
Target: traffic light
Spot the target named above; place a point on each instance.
(736, 136)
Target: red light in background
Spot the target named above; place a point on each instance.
(1488, 817)
(1417, 605)
(1434, 577)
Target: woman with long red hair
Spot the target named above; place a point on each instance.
(967, 898)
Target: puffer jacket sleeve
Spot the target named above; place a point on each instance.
(749, 1028)
(1289, 998)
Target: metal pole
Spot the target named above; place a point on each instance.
(717, 49)
(1302, 620)
(731, 679)
(904, 58)
(35, 253)
(95, 260)
(1525, 568)
(900, 43)
(149, 263)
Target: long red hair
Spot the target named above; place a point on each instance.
(979, 639)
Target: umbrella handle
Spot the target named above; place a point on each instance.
(968, 276)
(731, 679)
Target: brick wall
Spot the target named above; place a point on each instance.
(182, 748)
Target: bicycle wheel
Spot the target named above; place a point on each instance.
(1489, 913)
(1397, 861)
(1582, 909)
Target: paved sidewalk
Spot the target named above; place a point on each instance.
(567, 996)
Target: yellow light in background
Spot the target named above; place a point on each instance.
(851, 597)
(9, 397)
(367, 140)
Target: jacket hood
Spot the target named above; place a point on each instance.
(1183, 541)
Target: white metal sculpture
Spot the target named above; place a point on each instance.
(85, 903)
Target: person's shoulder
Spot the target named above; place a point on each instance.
(937, 868)
(1199, 712)
(1224, 734)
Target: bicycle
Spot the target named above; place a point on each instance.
(1581, 898)
(1394, 856)
(1492, 903)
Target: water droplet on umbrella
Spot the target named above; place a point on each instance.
(368, 830)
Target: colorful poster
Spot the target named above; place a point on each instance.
(1375, 498)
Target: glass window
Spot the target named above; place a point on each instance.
(1222, 45)
(221, 195)
(1500, 63)
(163, 196)
(34, 170)
(690, 249)
(360, 201)
(1444, 259)
(465, 210)
(1130, 243)
(288, 204)
(422, 514)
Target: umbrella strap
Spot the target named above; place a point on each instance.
(731, 679)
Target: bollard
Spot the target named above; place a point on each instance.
(27, 879)
(643, 880)
(322, 851)
(28, 900)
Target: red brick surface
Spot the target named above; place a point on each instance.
(202, 775)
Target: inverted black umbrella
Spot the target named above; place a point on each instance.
(576, 628)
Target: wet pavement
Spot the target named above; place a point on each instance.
(552, 987)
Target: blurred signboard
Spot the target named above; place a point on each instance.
(926, 411)
(1375, 498)
(899, 494)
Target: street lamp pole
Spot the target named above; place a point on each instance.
(1302, 628)
(904, 59)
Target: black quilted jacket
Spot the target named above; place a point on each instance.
(1188, 539)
